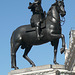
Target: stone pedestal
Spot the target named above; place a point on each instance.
(42, 70)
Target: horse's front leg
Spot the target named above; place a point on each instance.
(63, 44)
(55, 44)
(63, 41)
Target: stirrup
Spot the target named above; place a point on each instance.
(39, 37)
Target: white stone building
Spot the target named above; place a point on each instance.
(70, 53)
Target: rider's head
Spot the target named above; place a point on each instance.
(37, 0)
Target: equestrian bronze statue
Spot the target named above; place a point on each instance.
(25, 36)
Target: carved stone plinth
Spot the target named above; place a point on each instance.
(42, 70)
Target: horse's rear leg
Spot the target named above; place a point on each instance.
(26, 57)
(14, 49)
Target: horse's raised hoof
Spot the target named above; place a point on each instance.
(62, 50)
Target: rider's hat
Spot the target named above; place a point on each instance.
(38, 0)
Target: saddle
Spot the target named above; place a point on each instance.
(43, 25)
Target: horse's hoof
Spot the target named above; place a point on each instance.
(33, 65)
(16, 68)
(62, 50)
(56, 63)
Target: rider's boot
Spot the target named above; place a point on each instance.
(39, 36)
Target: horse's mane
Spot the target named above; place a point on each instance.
(51, 8)
(54, 4)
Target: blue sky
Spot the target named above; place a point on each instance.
(14, 13)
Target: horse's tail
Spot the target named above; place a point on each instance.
(11, 44)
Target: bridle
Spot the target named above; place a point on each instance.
(62, 20)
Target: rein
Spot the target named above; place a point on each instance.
(62, 20)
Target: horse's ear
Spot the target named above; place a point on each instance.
(56, 0)
(59, 0)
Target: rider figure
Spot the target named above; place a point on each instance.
(37, 17)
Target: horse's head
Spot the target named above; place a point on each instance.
(60, 7)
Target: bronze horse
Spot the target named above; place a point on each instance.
(25, 36)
